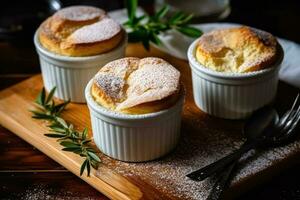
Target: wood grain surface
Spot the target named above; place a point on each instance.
(26, 173)
(14, 115)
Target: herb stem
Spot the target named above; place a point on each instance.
(146, 28)
(72, 140)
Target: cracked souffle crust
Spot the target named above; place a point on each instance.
(237, 50)
(80, 31)
(136, 86)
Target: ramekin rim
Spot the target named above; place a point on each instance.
(199, 67)
(122, 116)
(75, 58)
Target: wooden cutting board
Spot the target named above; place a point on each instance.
(204, 139)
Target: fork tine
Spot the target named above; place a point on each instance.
(293, 117)
(296, 115)
(290, 111)
(295, 102)
(289, 131)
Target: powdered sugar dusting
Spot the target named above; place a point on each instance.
(121, 67)
(212, 41)
(111, 77)
(111, 85)
(80, 13)
(265, 37)
(99, 31)
(250, 49)
(154, 80)
(200, 144)
(43, 191)
(147, 79)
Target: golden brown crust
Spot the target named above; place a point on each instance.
(136, 86)
(237, 50)
(80, 31)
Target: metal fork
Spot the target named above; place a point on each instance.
(285, 131)
(285, 123)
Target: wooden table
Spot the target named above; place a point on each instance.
(27, 173)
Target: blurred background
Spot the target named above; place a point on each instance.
(18, 60)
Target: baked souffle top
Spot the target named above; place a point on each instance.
(136, 86)
(237, 50)
(80, 31)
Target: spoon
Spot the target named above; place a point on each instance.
(254, 127)
(284, 130)
(288, 125)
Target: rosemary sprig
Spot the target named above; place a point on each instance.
(72, 140)
(146, 28)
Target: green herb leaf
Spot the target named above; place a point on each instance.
(162, 12)
(55, 135)
(146, 44)
(155, 39)
(60, 107)
(187, 19)
(94, 164)
(58, 129)
(190, 31)
(94, 156)
(41, 97)
(71, 128)
(62, 122)
(72, 149)
(91, 150)
(88, 167)
(77, 151)
(139, 19)
(86, 141)
(71, 140)
(37, 112)
(82, 168)
(84, 133)
(42, 116)
(176, 17)
(131, 6)
(138, 35)
(69, 144)
(50, 95)
(146, 28)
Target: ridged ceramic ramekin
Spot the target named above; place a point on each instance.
(232, 95)
(69, 74)
(134, 138)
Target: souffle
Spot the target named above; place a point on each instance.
(237, 50)
(80, 31)
(136, 86)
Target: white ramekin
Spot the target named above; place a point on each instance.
(134, 138)
(232, 95)
(71, 74)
